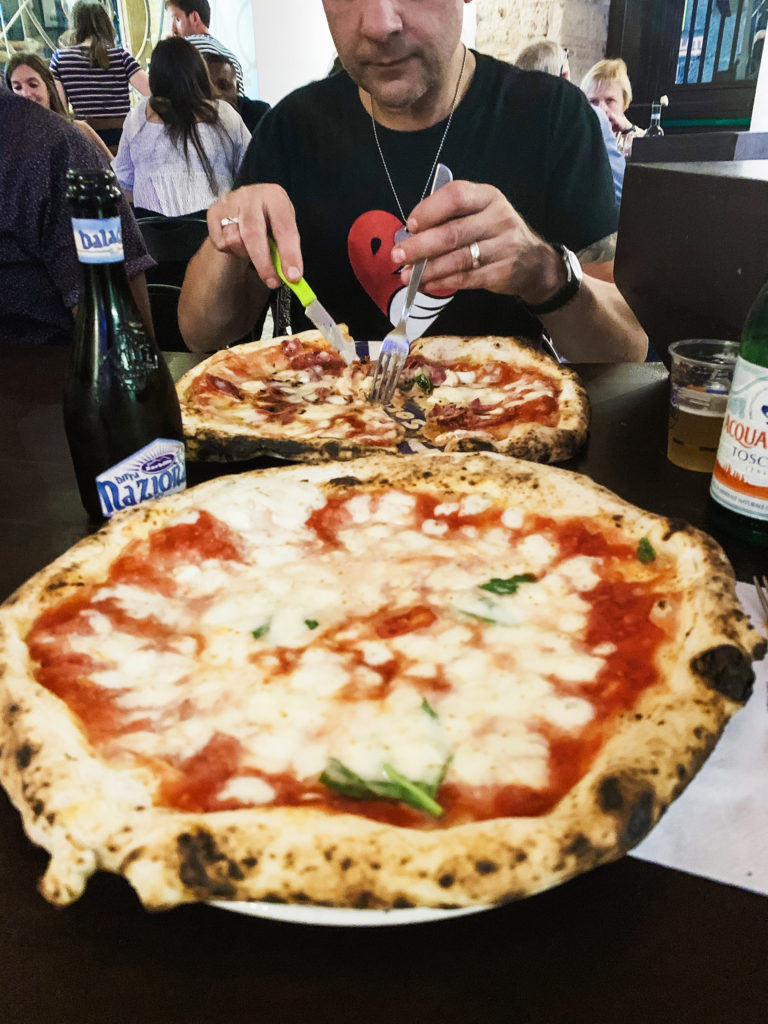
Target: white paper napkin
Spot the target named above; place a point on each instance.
(718, 828)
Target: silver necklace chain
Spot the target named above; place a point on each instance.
(439, 148)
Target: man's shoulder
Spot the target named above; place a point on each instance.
(205, 41)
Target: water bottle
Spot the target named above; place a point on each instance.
(121, 412)
(738, 502)
(654, 128)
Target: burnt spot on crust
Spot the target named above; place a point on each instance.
(446, 881)
(344, 481)
(639, 821)
(204, 868)
(130, 858)
(9, 713)
(401, 903)
(609, 795)
(363, 900)
(24, 755)
(486, 867)
(345, 864)
(37, 808)
(580, 847)
(520, 856)
(726, 669)
(675, 526)
(632, 802)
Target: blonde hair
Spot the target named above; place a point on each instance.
(542, 55)
(606, 72)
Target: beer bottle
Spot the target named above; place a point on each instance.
(121, 412)
(654, 128)
(739, 491)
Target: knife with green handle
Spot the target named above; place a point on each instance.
(316, 312)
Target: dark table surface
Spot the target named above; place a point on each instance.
(630, 942)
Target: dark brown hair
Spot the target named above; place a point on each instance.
(182, 96)
(91, 21)
(201, 7)
(40, 67)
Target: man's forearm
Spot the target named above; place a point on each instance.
(221, 299)
(597, 326)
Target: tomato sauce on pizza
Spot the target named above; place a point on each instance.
(471, 670)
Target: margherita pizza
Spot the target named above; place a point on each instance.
(380, 683)
(295, 398)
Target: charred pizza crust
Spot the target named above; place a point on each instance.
(222, 435)
(533, 441)
(91, 816)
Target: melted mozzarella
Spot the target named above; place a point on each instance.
(296, 694)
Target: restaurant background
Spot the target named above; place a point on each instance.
(704, 54)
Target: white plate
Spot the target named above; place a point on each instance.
(344, 917)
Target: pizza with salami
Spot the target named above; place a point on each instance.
(295, 398)
(387, 682)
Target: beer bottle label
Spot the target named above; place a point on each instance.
(740, 477)
(98, 241)
(155, 470)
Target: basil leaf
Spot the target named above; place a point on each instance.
(416, 794)
(645, 551)
(413, 793)
(508, 586)
(311, 623)
(424, 383)
(257, 634)
(426, 706)
(433, 787)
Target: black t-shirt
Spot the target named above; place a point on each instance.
(251, 111)
(531, 135)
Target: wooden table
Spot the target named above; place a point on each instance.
(630, 942)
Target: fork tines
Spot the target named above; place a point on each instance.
(394, 352)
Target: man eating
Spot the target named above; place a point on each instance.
(339, 167)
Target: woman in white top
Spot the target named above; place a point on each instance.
(181, 147)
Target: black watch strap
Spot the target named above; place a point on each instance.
(567, 292)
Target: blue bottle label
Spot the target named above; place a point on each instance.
(98, 241)
(153, 471)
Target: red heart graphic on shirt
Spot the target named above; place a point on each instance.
(369, 244)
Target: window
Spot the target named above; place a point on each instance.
(721, 40)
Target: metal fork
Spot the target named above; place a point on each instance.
(761, 586)
(395, 347)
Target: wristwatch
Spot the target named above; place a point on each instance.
(571, 287)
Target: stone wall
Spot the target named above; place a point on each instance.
(580, 25)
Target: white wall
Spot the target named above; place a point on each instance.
(292, 43)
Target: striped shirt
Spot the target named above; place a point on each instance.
(94, 91)
(205, 43)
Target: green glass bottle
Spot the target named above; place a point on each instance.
(121, 412)
(738, 502)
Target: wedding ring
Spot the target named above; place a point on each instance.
(229, 220)
(474, 252)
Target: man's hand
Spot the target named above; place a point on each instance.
(241, 221)
(510, 259)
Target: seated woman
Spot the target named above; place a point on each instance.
(607, 86)
(93, 75)
(180, 148)
(28, 75)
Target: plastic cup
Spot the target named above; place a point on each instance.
(701, 372)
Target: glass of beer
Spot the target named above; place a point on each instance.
(700, 379)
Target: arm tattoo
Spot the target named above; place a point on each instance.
(601, 251)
